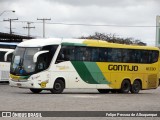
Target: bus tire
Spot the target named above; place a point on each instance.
(136, 87)
(58, 87)
(103, 91)
(125, 86)
(35, 90)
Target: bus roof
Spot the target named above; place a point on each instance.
(79, 42)
(49, 41)
(5, 50)
(8, 43)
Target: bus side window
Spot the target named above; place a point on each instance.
(66, 53)
(9, 57)
(116, 55)
(125, 55)
(144, 56)
(103, 55)
(87, 54)
(60, 57)
(95, 54)
(2, 53)
(136, 56)
(80, 54)
(153, 56)
(52, 49)
(42, 62)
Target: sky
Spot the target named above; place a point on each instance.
(75, 18)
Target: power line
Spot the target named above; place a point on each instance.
(96, 25)
(103, 25)
(100, 25)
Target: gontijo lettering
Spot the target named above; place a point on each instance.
(122, 67)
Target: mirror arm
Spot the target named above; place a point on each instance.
(6, 55)
(37, 54)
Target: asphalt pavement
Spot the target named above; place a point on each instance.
(17, 99)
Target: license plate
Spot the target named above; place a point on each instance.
(19, 85)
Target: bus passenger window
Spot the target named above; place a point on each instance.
(2, 53)
(144, 56)
(42, 62)
(103, 54)
(52, 49)
(9, 57)
(95, 54)
(80, 56)
(87, 55)
(79, 53)
(153, 56)
(66, 53)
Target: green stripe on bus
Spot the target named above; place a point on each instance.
(73, 44)
(90, 72)
(83, 72)
(96, 72)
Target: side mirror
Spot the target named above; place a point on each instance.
(6, 55)
(37, 54)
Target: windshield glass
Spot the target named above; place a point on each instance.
(22, 63)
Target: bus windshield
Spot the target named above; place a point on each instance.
(22, 63)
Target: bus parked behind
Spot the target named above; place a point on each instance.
(6, 52)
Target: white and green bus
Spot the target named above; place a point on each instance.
(6, 52)
(58, 64)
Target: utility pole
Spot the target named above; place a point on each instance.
(10, 21)
(158, 31)
(28, 27)
(44, 19)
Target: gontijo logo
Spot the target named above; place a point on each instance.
(112, 67)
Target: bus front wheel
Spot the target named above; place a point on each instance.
(125, 86)
(103, 90)
(136, 87)
(58, 87)
(35, 90)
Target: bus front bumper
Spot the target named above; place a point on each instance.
(28, 84)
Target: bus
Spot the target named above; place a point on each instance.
(6, 52)
(56, 64)
(5, 59)
(8, 45)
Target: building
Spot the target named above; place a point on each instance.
(5, 37)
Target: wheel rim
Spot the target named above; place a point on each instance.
(136, 86)
(57, 86)
(125, 87)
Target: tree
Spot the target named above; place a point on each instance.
(113, 39)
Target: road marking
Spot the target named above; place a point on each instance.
(86, 96)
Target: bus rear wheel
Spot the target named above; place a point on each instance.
(103, 91)
(58, 87)
(136, 87)
(125, 86)
(35, 90)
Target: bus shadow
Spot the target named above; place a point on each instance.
(85, 93)
(4, 83)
